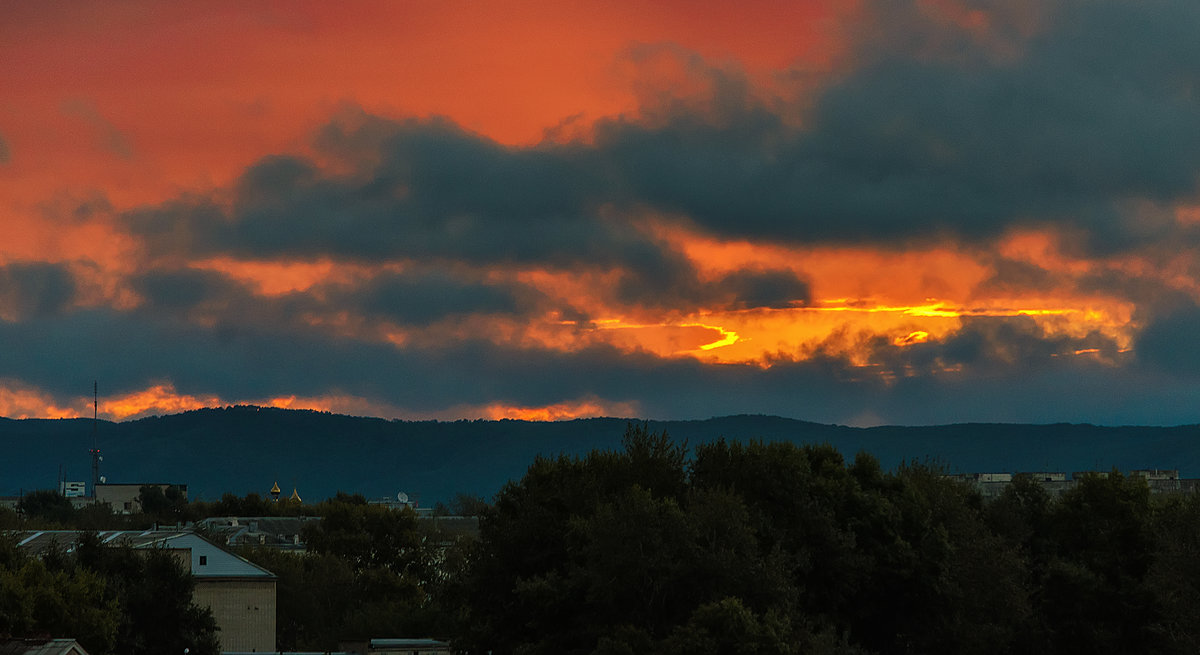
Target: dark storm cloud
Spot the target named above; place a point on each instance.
(420, 189)
(422, 298)
(418, 297)
(1097, 109)
(932, 134)
(185, 289)
(1169, 343)
(672, 281)
(431, 192)
(1083, 119)
(35, 289)
(1018, 277)
(129, 352)
(774, 289)
(988, 344)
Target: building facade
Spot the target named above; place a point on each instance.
(240, 594)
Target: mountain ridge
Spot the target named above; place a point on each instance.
(243, 449)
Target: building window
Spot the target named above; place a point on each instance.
(203, 560)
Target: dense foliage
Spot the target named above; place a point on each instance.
(111, 599)
(368, 570)
(775, 548)
(655, 549)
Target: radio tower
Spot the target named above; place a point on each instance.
(95, 451)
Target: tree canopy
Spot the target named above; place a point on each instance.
(777, 548)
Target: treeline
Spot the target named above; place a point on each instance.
(45, 509)
(771, 548)
(760, 548)
(111, 599)
(368, 570)
(777, 548)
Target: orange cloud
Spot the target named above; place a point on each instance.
(19, 401)
(342, 404)
(560, 411)
(275, 278)
(158, 399)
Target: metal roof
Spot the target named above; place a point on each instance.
(40, 647)
(207, 559)
(406, 643)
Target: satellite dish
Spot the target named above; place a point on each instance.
(402, 497)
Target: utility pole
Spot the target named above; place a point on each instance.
(95, 451)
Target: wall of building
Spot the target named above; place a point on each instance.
(244, 611)
(124, 497)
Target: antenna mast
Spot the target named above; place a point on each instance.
(95, 451)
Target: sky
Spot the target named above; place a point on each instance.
(851, 211)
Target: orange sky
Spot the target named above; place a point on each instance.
(113, 109)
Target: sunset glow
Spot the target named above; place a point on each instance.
(545, 211)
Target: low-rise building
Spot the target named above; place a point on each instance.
(40, 646)
(240, 594)
(1157, 474)
(124, 498)
(282, 532)
(396, 647)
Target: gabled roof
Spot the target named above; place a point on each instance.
(276, 531)
(40, 647)
(207, 559)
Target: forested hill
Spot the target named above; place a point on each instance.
(245, 449)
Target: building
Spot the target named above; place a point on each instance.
(282, 532)
(240, 594)
(40, 646)
(1159, 481)
(124, 497)
(1156, 474)
(396, 647)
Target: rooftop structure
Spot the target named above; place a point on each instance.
(396, 647)
(125, 497)
(40, 646)
(240, 594)
(992, 485)
(283, 532)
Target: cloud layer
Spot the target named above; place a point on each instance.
(963, 211)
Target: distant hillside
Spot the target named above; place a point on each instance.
(244, 449)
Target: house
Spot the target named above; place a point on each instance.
(40, 646)
(282, 532)
(240, 594)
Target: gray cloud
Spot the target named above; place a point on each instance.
(35, 289)
(431, 192)
(128, 352)
(1082, 119)
(185, 289)
(424, 189)
(988, 344)
(917, 143)
(1073, 128)
(422, 298)
(670, 280)
(411, 298)
(1169, 343)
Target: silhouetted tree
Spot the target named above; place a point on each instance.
(48, 506)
